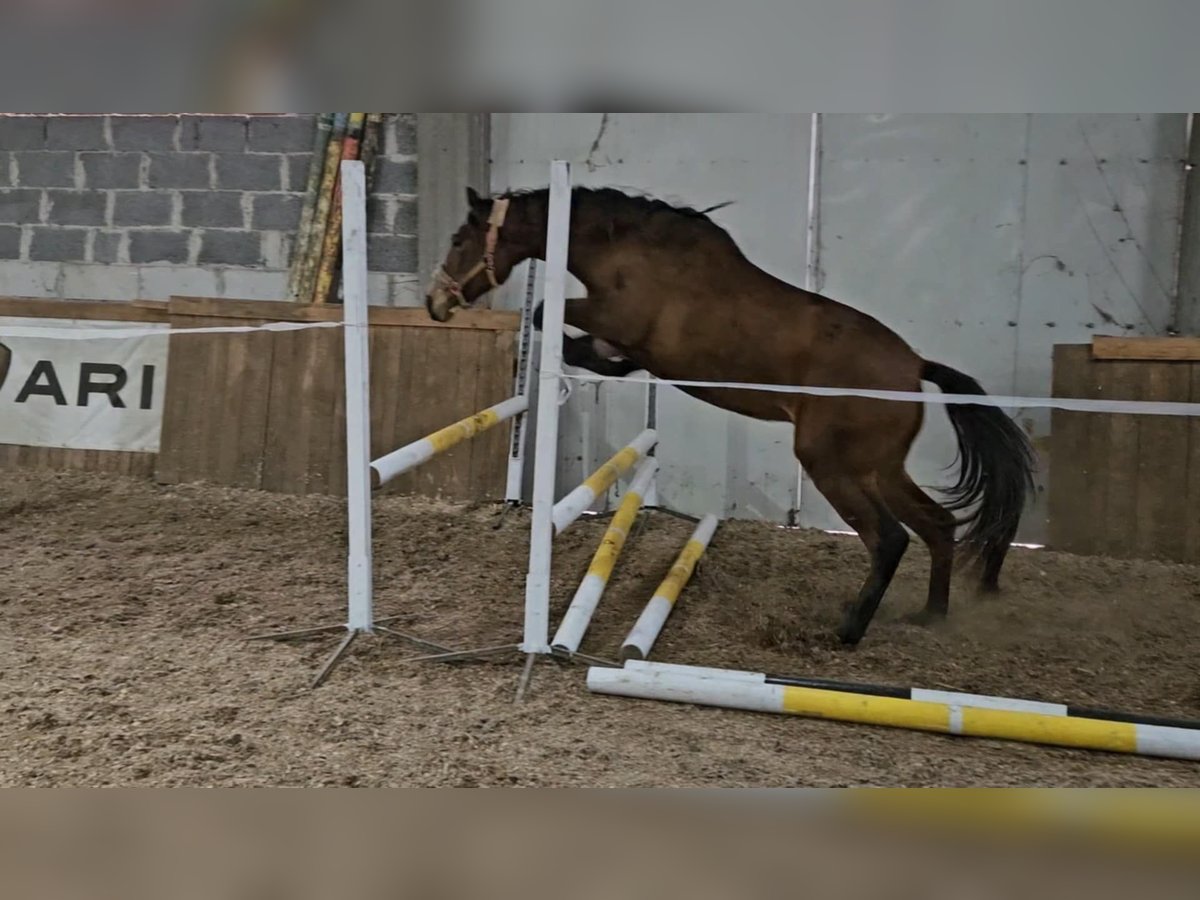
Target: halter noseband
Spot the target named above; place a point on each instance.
(487, 264)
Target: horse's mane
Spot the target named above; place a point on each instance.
(634, 210)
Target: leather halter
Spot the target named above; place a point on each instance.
(486, 264)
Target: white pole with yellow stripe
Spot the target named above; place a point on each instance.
(579, 614)
(412, 455)
(645, 631)
(572, 506)
(980, 716)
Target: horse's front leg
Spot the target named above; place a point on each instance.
(575, 313)
(581, 353)
(585, 352)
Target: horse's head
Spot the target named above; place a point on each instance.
(481, 257)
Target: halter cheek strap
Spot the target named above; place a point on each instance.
(488, 263)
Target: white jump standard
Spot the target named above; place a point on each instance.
(360, 616)
(945, 712)
(650, 623)
(536, 629)
(579, 614)
(363, 474)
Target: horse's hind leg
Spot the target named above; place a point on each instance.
(993, 561)
(859, 503)
(933, 524)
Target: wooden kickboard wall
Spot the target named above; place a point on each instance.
(1126, 485)
(267, 409)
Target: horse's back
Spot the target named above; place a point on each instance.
(858, 350)
(769, 332)
(774, 332)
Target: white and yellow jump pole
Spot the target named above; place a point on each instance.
(579, 614)
(945, 712)
(420, 451)
(574, 504)
(646, 630)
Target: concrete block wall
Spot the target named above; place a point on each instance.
(119, 207)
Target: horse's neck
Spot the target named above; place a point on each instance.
(594, 253)
(642, 265)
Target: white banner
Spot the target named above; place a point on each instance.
(82, 394)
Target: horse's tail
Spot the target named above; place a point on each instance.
(996, 471)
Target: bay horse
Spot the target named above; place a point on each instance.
(671, 292)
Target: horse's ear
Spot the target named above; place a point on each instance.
(474, 200)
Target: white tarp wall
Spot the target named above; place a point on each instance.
(982, 239)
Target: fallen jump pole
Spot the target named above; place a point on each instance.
(968, 715)
(646, 630)
(412, 455)
(579, 614)
(967, 699)
(572, 506)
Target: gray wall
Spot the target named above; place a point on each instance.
(121, 207)
(987, 239)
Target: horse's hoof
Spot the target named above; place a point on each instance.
(849, 634)
(924, 617)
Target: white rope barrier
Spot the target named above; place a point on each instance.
(1138, 407)
(90, 332)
